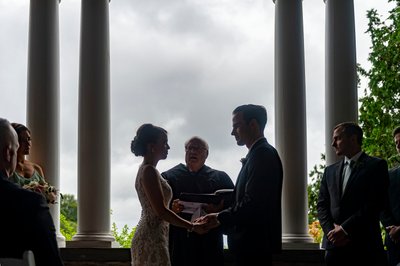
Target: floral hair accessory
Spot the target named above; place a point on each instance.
(47, 191)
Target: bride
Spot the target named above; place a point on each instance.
(150, 241)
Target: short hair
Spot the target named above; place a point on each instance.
(351, 128)
(198, 139)
(252, 111)
(146, 134)
(396, 131)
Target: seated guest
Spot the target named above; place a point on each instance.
(26, 171)
(25, 221)
(190, 249)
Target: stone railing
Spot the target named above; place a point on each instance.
(121, 257)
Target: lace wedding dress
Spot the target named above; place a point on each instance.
(150, 242)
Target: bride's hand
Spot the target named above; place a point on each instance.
(200, 228)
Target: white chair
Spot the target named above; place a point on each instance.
(28, 259)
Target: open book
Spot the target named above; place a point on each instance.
(213, 198)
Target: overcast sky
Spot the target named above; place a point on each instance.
(180, 64)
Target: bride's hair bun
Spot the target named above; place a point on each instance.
(147, 133)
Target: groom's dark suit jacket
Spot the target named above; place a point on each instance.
(255, 215)
(358, 209)
(26, 224)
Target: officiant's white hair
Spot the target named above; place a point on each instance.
(197, 138)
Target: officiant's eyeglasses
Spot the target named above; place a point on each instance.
(195, 148)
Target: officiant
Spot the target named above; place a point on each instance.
(191, 249)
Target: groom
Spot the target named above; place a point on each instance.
(254, 219)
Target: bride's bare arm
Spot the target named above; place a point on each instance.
(152, 187)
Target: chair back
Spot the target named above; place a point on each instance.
(28, 259)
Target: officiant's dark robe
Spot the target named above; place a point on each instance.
(191, 249)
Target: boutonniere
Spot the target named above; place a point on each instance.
(243, 160)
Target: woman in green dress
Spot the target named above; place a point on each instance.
(26, 171)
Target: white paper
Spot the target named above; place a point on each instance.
(194, 208)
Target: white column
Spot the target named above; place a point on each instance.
(290, 121)
(341, 100)
(43, 89)
(94, 128)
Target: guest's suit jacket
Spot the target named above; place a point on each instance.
(26, 224)
(255, 215)
(357, 210)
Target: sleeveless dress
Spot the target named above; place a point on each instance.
(150, 241)
(21, 180)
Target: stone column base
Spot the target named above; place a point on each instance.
(91, 244)
(299, 241)
(300, 246)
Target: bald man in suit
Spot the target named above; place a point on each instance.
(25, 222)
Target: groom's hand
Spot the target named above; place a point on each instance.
(211, 220)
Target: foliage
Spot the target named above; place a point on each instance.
(68, 216)
(125, 237)
(68, 222)
(313, 189)
(380, 105)
(69, 207)
(67, 227)
(315, 230)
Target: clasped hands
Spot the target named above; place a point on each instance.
(337, 236)
(205, 223)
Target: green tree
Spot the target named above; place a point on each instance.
(68, 216)
(68, 222)
(380, 105)
(67, 227)
(315, 175)
(125, 237)
(313, 189)
(69, 207)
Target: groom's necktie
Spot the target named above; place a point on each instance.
(348, 165)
